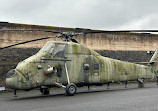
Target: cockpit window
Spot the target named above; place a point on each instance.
(11, 73)
(59, 50)
(48, 47)
(56, 49)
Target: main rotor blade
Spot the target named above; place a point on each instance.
(86, 32)
(117, 31)
(29, 30)
(29, 41)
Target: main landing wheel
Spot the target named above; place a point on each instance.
(71, 89)
(44, 91)
(140, 85)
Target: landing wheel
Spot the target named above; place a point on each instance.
(44, 91)
(140, 85)
(71, 89)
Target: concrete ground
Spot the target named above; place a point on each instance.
(117, 98)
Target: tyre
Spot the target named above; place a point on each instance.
(41, 90)
(44, 91)
(140, 85)
(71, 89)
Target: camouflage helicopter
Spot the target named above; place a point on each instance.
(69, 65)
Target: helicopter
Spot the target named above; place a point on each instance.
(69, 65)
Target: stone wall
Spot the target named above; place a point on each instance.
(122, 41)
(96, 41)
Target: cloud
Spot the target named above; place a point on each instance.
(95, 14)
(145, 22)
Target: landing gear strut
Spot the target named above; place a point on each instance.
(71, 87)
(15, 93)
(157, 79)
(108, 85)
(88, 88)
(126, 84)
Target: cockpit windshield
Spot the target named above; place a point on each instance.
(11, 73)
(59, 50)
(48, 47)
(56, 49)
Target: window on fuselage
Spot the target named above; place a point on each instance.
(86, 67)
(96, 67)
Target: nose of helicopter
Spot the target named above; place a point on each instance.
(10, 83)
(11, 79)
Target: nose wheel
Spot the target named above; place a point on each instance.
(71, 89)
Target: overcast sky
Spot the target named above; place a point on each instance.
(93, 14)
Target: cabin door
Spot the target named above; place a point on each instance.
(91, 69)
(88, 69)
(95, 76)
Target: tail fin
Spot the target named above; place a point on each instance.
(154, 63)
(154, 57)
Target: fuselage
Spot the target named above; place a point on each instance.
(84, 67)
